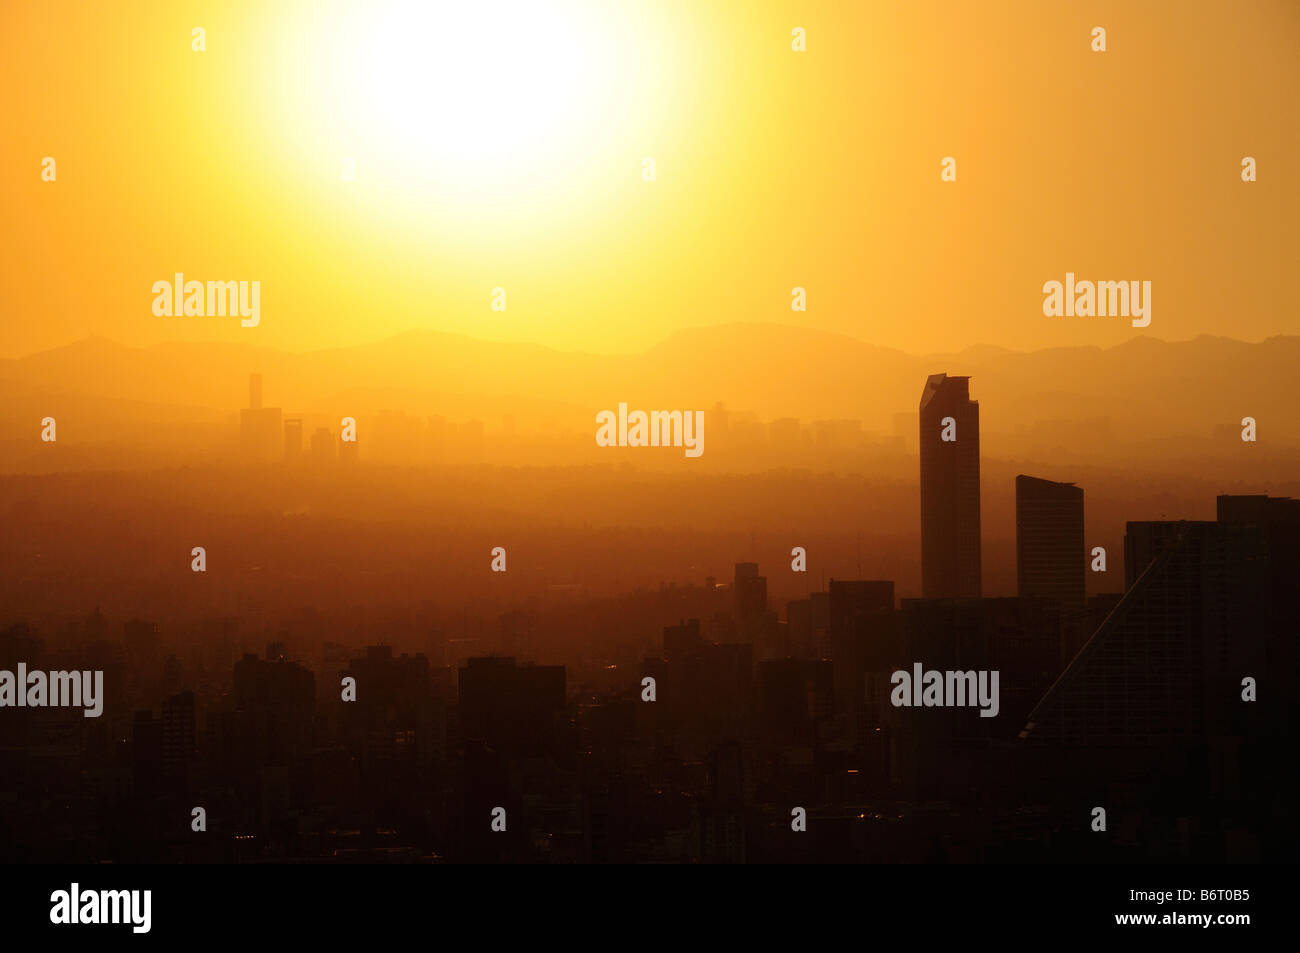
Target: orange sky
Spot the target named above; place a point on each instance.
(774, 168)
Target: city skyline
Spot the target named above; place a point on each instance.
(713, 686)
(560, 432)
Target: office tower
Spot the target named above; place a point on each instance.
(1017, 637)
(395, 722)
(950, 489)
(794, 697)
(178, 730)
(682, 640)
(751, 591)
(722, 816)
(1166, 665)
(799, 623)
(702, 686)
(1049, 541)
(512, 708)
(942, 749)
(862, 635)
(1278, 519)
(274, 703)
(754, 623)
(260, 435)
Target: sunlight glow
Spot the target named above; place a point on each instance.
(499, 102)
(478, 81)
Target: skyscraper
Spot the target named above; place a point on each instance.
(751, 591)
(862, 638)
(1049, 541)
(260, 432)
(1167, 662)
(509, 707)
(950, 489)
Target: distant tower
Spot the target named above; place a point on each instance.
(1049, 541)
(751, 591)
(260, 431)
(950, 489)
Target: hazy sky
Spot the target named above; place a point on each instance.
(504, 147)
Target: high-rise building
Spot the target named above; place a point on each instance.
(950, 489)
(1049, 541)
(862, 629)
(683, 640)
(809, 625)
(1278, 519)
(275, 703)
(1166, 664)
(794, 696)
(511, 707)
(755, 624)
(396, 720)
(260, 433)
(178, 730)
(751, 591)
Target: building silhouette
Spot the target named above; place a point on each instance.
(1278, 520)
(755, 623)
(260, 434)
(809, 624)
(509, 707)
(1049, 541)
(395, 722)
(950, 489)
(751, 592)
(1165, 666)
(862, 628)
(178, 730)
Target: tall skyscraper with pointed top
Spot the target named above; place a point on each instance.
(950, 489)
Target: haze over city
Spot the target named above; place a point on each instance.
(572, 432)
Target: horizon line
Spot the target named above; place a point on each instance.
(93, 336)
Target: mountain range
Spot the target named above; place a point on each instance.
(1144, 390)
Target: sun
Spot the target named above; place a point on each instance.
(477, 82)
(488, 100)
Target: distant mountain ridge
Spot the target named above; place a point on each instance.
(1144, 386)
